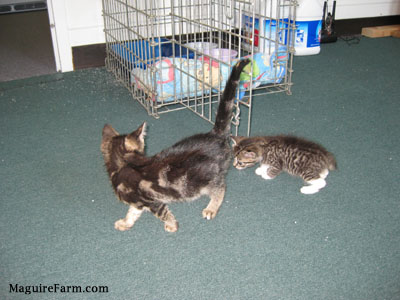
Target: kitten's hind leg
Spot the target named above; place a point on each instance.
(324, 173)
(130, 219)
(314, 186)
(162, 212)
(217, 196)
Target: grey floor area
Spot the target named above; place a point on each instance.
(268, 241)
(25, 45)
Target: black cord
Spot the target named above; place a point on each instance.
(351, 39)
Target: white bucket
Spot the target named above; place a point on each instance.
(308, 27)
(225, 55)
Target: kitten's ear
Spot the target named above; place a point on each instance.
(139, 133)
(142, 130)
(236, 139)
(109, 132)
(135, 140)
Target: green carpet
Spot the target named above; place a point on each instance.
(269, 241)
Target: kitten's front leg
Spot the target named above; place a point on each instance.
(130, 219)
(162, 212)
(267, 172)
(217, 196)
(262, 170)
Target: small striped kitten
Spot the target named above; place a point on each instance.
(294, 155)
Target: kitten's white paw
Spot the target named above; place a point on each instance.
(209, 214)
(309, 189)
(262, 171)
(259, 171)
(324, 173)
(171, 227)
(266, 177)
(314, 186)
(122, 225)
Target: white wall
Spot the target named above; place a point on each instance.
(80, 22)
(85, 22)
(353, 9)
(76, 23)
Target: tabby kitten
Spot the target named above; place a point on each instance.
(294, 155)
(193, 167)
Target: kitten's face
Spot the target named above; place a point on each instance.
(122, 145)
(245, 156)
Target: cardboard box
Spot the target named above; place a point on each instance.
(380, 31)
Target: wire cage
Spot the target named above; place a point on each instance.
(178, 54)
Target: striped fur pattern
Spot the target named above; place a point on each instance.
(275, 154)
(193, 167)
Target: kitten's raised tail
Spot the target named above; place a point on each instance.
(223, 119)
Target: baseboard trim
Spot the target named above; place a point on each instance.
(91, 56)
(88, 56)
(354, 26)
